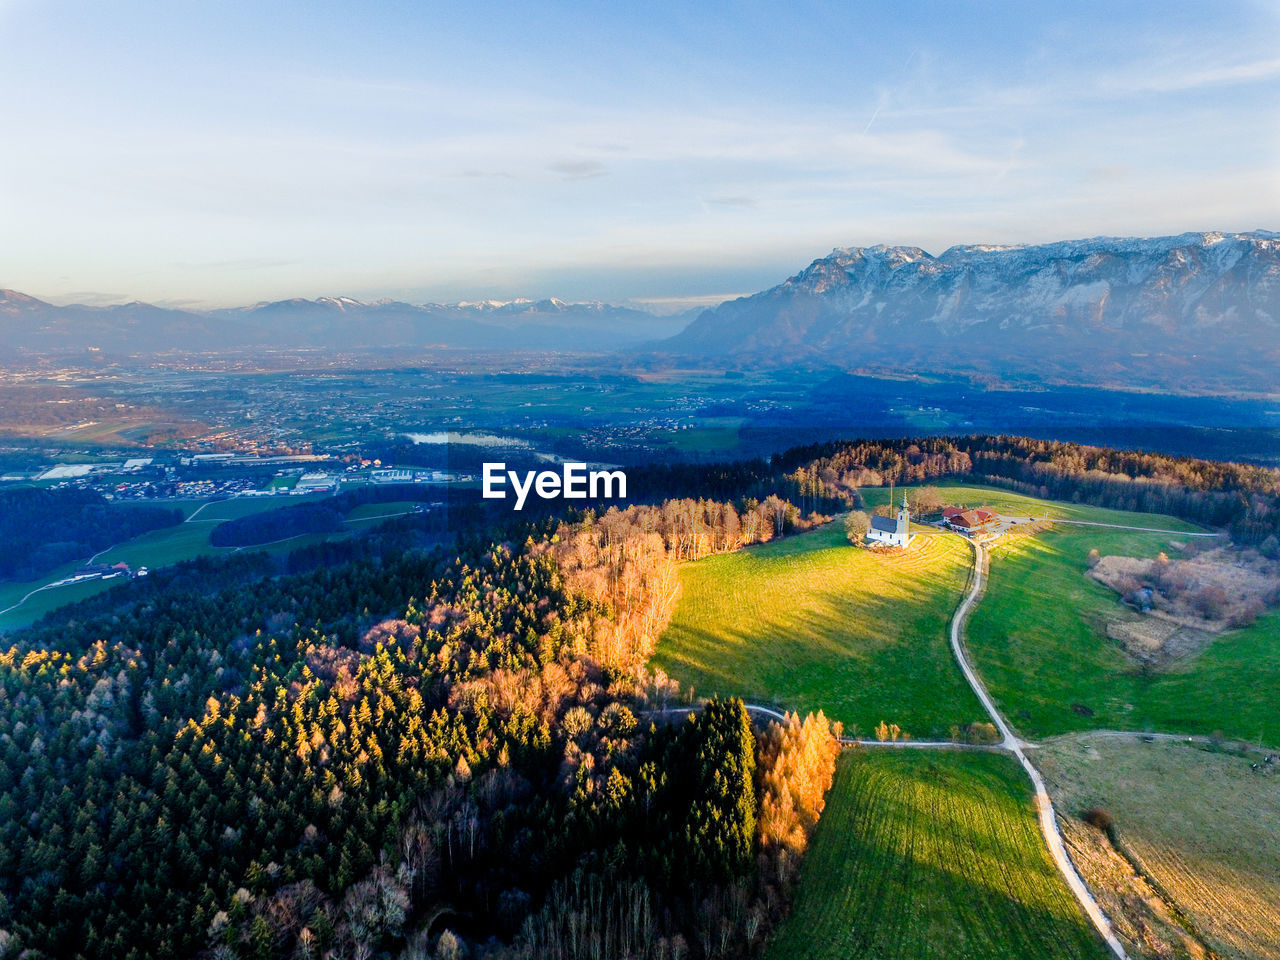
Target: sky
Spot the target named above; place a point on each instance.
(664, 154)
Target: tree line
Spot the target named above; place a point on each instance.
(1244, 499)
(319, 515)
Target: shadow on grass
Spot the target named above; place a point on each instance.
(919, 857)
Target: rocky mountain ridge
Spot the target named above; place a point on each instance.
(1204, 306)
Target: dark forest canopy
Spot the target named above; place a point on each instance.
(322, 516)
(281, 524)
(43, 528)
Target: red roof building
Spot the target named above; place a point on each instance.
(973, 521)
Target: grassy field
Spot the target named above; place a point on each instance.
(379, 511)
(155, 549)
(707, 435)
(37, 604)
(217, 511)
(162, 548)
(1202, 825)
(936, 855)
(809, 622)
(1038, 638)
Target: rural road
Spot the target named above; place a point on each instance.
(47, 586)
(195, 513)
(54, 584)
(1010, 742)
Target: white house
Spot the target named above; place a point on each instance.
(891, 531)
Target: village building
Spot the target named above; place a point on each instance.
(971, 522)
(892, 531)
(101, 571)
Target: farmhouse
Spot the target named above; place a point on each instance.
(102, 571)
(892, 531)
(972, 522)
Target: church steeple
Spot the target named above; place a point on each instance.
(904, 516)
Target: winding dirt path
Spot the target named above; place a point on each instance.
(1010, 742)
(47, 586)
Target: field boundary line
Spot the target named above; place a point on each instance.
(379, 516)
(1121, 526)
(197, 510)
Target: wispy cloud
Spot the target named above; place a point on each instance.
(247, 263)
(471, 173)
(578, 169)
(1175, 78)
(486, 158)
(741, 203)
(668, 305)
(90, 298)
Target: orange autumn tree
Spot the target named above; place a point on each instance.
(797, 764)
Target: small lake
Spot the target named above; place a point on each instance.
(471, 439)
(443, 437)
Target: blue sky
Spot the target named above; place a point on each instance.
(224, 153)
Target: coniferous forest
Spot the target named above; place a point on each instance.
(416, 751)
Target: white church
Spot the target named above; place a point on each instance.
(892, 531)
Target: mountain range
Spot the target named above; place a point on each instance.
(1195, 311)
(1198, 312)
(33, 327)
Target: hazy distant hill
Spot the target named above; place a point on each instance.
(1196, 310)
(31, 326)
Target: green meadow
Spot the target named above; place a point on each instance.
(218, 511)
(366, 513)
(1038, 639)
(809, 622)
(931, 855)
(39, 602)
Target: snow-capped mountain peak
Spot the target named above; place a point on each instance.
(1069, 308)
